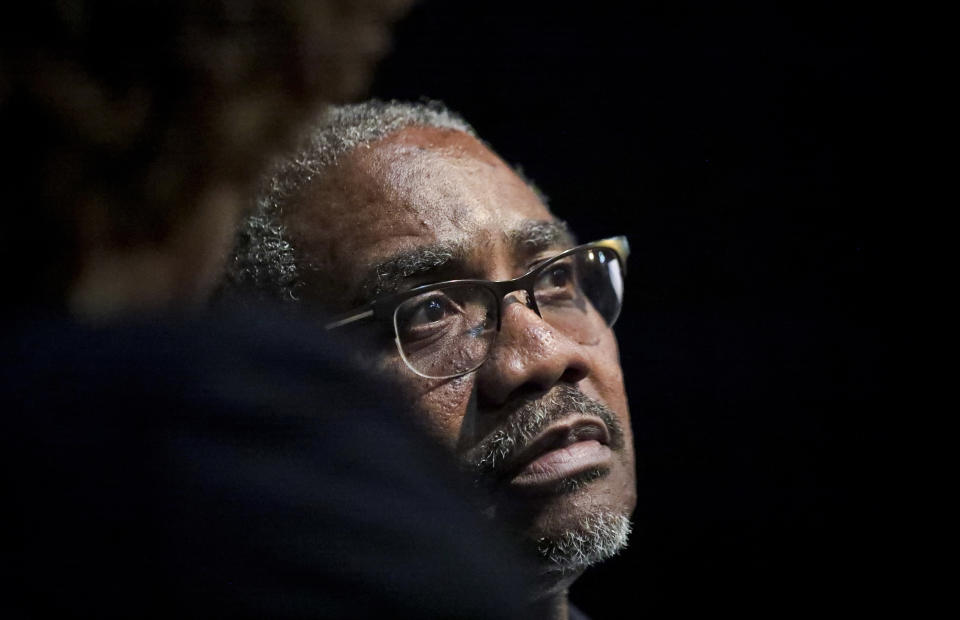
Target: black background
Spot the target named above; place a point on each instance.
(749, 156)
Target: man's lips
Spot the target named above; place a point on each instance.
(569, 447)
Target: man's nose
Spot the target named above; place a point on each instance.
(529, 355)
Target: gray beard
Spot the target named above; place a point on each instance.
(596, 538)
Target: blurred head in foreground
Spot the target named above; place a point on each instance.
(133, 129)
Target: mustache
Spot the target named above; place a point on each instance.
(528, 420)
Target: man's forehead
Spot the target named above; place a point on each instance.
(418, 199)
(420, 176)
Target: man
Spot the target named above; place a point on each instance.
(520, 381)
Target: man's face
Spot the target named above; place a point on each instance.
(544, 420)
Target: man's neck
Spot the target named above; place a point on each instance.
(556, 607)
(552, 599)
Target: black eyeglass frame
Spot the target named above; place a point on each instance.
(384, 308)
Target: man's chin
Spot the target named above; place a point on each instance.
(563, 558)
(578, 524)
(595, 538)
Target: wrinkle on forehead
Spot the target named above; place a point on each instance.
(426, 168)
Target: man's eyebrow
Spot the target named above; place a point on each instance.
(388, 275)
(533, 236)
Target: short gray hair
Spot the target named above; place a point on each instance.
(264, 262)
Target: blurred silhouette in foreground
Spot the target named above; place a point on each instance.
(136, 128)
(159, 462)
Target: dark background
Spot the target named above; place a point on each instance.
(752, 159)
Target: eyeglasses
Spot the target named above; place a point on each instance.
(447, 329)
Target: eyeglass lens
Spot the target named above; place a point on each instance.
(447, 331)
(450, 331)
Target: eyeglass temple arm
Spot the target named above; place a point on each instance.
(349, 318)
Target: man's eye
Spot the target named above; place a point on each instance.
(559, 276)
(431, 310)
(555, 277)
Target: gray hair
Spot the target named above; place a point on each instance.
(264, 262)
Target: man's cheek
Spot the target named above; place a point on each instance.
(439, 406)
(442, 407)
